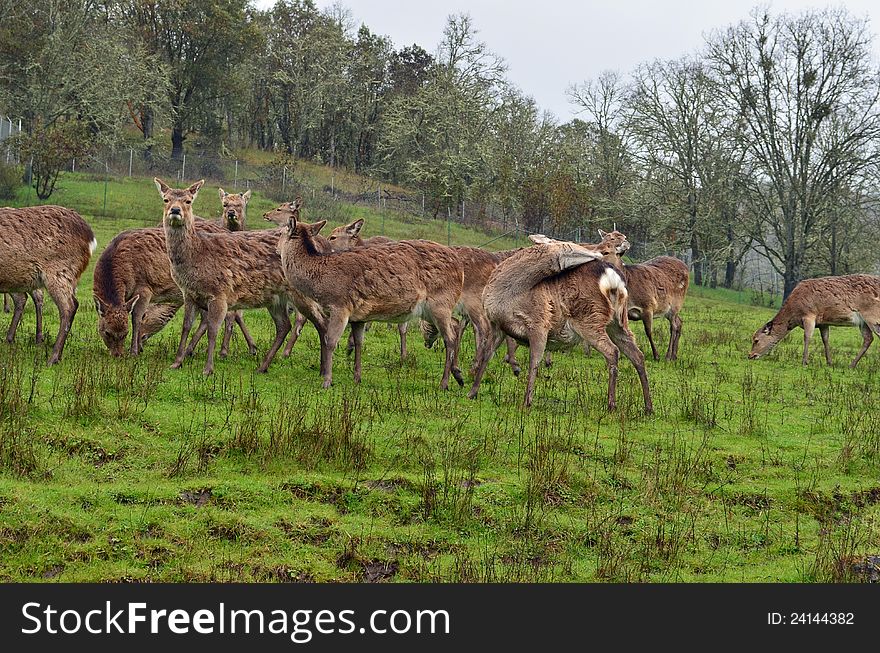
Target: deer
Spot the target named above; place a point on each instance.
(656, 287)
(849, 300)
(234, 218)
(386, 283)
(19, 300)
(46, 247)
(132, 282)
(218, 272)
(556, 295)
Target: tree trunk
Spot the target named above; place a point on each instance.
(834, 245)
(147, 124)
(697, 259)
(729, 273)
(177, 142)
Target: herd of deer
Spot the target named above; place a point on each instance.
(552, 295)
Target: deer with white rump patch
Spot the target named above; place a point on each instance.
(45, 247)
(556, 295)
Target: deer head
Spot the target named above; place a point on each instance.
(234, 208)
(178, 202)
(765, 338)
(345, 237)
(113, 323)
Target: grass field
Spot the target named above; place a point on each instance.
(125, 470)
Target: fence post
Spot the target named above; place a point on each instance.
(106, 180)
(379, 197)
(235, 181)
(448, 226)
(462, 210)
(283, 179)
(423, 205)
(73, 165)
(183, 168)
(130, 159)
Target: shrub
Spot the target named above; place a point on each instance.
(10, 181)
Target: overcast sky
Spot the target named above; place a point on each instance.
(549, 45)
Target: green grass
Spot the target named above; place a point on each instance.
(122, 469)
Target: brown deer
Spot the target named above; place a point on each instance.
(385, 283)
(234, 218)
(557, 295)
(656, 287)
(218, 272)
(850, 300)
(347, 237)
(46, 247)
(19, 300)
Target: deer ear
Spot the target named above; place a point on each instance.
(540, 239)
(161, 185)
(246, 195)
(130, 304)
(291, 226)
(602, 234)
(315, 229)
(355, 227)
(99, 307)
(194, 189)
(223, 193)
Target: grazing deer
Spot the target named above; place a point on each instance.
(218, 272)
(656, 287)
(850, 300)
(556, 295)
(46, 247)
(385, 283)
(19, 300)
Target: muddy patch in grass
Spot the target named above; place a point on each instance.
(197, 498)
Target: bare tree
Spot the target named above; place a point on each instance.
(806, 92)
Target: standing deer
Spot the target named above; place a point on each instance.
(386, 283)
(234, 218)
(656, 287)
(218, 272)
(46, 247)
(557, 295)
(850, 300)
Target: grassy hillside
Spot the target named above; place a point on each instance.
(122, 469)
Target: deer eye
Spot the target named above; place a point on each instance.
(189, 201)
(332, 238)
(166, 200)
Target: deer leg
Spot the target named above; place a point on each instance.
(6, 308)
(333, 329)
(493, 341)
(297, 330)
(137, 320)
(228, 326)
(510, 357)
(674, 335)
(867, 339)
(402, 328)
(442, 318)
(217, 311)
(37, 296)
(281, 318)
(537, 344)
(197, 336)
(357, 333)
(239, 320)
(64, 296)
(809, 326)
(625, 342)
(18, 302)
(548, 359)
(189, 316)
(648, 322)
(823, 331)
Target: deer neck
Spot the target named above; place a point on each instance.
(179, 242)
